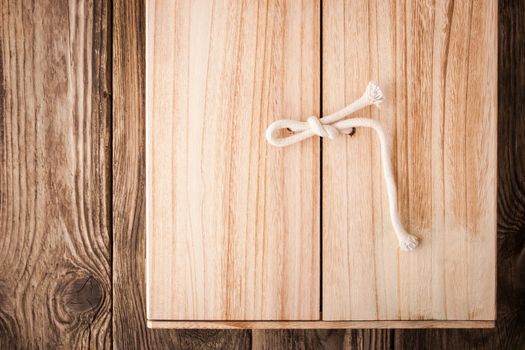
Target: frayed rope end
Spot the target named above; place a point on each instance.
(374, 94)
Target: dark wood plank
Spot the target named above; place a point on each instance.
(129, 322)
(297, 339)
(55, 270)
(510, 327)
(322, 339)
(369, 339)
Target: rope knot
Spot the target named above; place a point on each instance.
(321, 130)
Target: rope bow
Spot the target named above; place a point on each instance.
(331, 126)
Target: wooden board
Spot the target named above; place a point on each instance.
(437, 64)
(55, 238)
(232, 223)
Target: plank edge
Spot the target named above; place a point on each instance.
(166, 324)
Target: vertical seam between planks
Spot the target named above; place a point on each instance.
(321, 162)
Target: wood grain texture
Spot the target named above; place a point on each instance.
(324, 339)
(437, 63)
(129, 238)
(55, 273)
(297, 339)
(510, 326)
(232, 223)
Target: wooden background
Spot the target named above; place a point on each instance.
(72, 190)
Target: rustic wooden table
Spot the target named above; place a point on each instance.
(72, 190)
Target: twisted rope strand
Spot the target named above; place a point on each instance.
(331, 126)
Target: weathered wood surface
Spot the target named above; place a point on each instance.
(437, 64)
(55, 175)
(232, 223)
(22, 327)
(298, 339)
(322, 339)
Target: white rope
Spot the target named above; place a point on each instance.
(331, 126)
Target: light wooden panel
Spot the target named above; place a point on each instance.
(232, 224)
(436, 61)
